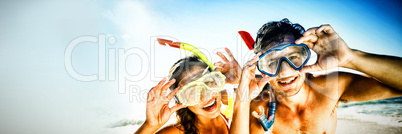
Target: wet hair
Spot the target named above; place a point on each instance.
(184, 65)
(275, 31)
(186, 117)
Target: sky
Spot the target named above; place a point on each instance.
(80, 66)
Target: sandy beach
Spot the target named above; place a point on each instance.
(349, 126)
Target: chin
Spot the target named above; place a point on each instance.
(288, 87)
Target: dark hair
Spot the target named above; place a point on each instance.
(274, 31)
(186, 117)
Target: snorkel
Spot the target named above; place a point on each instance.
(188, 47)
(229, 109)
(265, 122)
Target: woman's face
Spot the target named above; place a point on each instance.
(209, 105)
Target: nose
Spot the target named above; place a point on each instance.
(207, 95)
(285, 69)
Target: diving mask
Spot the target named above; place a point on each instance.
(296, 55)
(201, 88)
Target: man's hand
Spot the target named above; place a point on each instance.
(331, 50)
(158, 111)
(230, 68)
(249, 87)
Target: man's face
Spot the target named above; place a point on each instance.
(288, 82)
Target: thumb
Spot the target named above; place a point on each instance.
(311, 68)
(263, 82)
(176, 107)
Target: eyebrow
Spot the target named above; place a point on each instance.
(291, 53)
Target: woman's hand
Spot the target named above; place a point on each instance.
(158, 111)
(230, 68)
(249, 87)
(331, 50)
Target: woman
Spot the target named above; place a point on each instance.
(203, 117)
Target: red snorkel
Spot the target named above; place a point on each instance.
(247, 39)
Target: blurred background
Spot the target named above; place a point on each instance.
(85, 66)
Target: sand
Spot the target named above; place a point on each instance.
(348, 126)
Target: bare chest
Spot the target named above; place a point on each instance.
(318, 120)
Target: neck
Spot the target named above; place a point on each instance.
(204, 122)
(297, 101)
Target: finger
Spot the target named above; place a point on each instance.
(310, 45)
(166, 86)
(219, 66)
(247, 74)
(176, 107)
(223, 57)
(308, 38)
(310, 31)
(250, 67)
(253, 67)
(219, 63)
(254, 59)
(311, 68)
(156, 90)
(229, 53)
(159, 84)
(171, 94)
(326, 29)
(151, 95)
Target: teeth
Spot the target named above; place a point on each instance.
(210, 104)
(287, 82)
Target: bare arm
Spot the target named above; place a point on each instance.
(386, 69)
(332, 52)
(244, 94)
(360, 88)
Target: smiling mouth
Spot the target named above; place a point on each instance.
(210, 106)
(287, 81)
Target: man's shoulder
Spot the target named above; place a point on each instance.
(329, 77)
(329, 85)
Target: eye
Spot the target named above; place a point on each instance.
(208, 82)
(292, 57)
(272, 64)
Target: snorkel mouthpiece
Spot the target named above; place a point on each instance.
(168, 42)
(265, 122)
(188, 47)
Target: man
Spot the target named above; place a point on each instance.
(306, 103)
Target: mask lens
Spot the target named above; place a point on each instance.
(203, 88)
(207, 95)
(189, 95)
(297, 55)
(269, 62)
(213, 81)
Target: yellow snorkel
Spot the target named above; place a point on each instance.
(188, 47)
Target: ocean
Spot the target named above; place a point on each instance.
(385, 112)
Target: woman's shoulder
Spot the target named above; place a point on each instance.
(171, 129)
